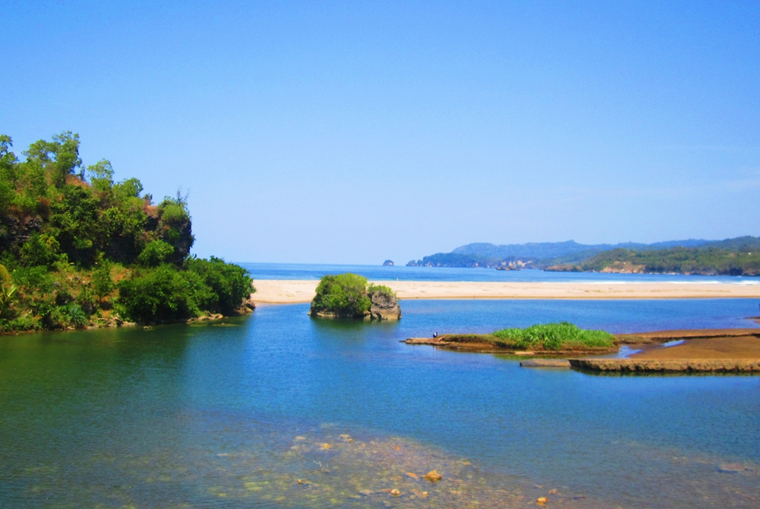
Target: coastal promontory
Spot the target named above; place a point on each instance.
(79, 249)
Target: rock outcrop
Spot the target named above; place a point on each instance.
(388, 263)
(384, 306)
(669, 365)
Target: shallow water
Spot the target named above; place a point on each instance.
(206, 416)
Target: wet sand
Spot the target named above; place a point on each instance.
(295, 291)
(727, 351)
(720, 347)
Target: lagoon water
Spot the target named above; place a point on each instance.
(235, 415)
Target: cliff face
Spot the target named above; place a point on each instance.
(384, 307)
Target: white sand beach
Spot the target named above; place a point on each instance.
(294, 291)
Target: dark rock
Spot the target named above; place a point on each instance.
(388, 263)
(384, 306)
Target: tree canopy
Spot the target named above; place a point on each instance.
(79, 246)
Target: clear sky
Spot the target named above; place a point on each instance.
(352, 132)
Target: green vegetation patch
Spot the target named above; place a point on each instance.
(79, 249)
(342, 295)
(381, 291)
(552, 336)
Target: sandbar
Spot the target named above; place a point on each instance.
(731, 345)
(297, 291)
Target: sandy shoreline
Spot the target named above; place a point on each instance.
(294, 291)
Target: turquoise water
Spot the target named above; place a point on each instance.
(403, 273)
(234, 416)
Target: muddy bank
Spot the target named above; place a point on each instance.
(657, 337)
(717, 350)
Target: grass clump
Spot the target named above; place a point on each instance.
(553, 336)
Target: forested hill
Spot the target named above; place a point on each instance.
(570, 253)
(79, 249)
(734, 260)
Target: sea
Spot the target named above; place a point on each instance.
(279, 410)
(403, 273)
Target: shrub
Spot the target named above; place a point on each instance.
(155, 253)
(76, 316)
(344, 295)
(102, 282)
(40, 249)
(163, 294)
(381, 291)
(553, 336)
(33, 279)
(227, 284)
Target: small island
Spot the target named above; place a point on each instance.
(553, 339)
(388, 263)
(349, 296)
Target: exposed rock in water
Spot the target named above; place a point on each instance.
(384, 306)
(433, 476)
(388, 263)
(348, 296)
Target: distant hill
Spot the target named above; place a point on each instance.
(740, 258)
(543, 254)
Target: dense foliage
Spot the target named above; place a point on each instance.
(342, 295)
(378, 292)
(78, 248)
(744, 260)
(553, 336)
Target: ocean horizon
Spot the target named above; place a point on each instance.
(306, 271)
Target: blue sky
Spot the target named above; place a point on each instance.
(352, 132)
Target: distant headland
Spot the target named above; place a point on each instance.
(735, 257)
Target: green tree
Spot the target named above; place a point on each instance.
(228, 284)
(102, 282)
(159, 295)
(175, 227)
(155, 253)
(41, 249)
(101, 177)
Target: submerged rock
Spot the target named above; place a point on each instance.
(731, 468)
(433, 476)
